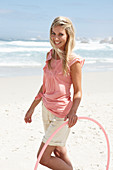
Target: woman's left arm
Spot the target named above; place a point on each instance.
(76, 80)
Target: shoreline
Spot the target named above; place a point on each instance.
(17, 71)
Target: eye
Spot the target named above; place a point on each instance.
(61, 34)
(52, 33)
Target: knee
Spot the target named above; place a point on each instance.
(61, 150)
(64, 152)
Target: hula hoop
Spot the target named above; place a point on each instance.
(107, 140)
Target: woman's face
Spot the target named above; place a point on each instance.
(59, 37)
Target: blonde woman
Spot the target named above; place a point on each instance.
(62, 69)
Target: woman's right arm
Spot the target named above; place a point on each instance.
(36, 101)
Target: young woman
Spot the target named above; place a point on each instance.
(62, 69)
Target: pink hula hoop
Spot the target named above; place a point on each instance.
(107, 140)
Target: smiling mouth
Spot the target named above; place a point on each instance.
(57, 43)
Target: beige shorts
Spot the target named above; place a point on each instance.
(51, 123)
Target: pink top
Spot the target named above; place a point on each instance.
(56, 86)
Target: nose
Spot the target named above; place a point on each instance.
(56, 37)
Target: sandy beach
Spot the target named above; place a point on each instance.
(19, 142)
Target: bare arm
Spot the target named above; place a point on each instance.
(76, 80)
(32, 108)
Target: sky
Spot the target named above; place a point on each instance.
(25, 19)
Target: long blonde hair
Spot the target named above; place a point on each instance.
(70, 44)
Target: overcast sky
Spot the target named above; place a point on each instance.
(32, 18)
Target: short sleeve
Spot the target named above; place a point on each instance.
(76, 58)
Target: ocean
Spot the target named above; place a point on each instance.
(27, 57)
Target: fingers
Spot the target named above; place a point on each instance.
(65, 118)
(28, 116)
(28, 119)
(72, 121)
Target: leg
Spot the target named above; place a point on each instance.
(52, 162)
(61, 153)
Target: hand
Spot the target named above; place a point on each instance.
(29, 115)
(72, 119)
